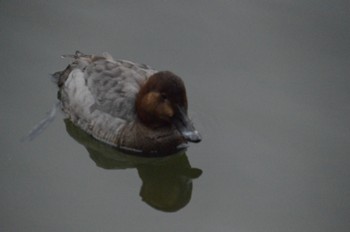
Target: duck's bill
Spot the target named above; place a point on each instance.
(185, 126)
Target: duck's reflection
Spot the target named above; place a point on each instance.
(166, 182)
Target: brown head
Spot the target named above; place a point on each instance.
(162, 102)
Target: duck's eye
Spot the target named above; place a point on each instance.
(164, 96)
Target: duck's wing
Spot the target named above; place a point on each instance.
(115, 84)
(98, 93)
(111, 86)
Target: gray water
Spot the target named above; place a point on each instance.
(268, 85)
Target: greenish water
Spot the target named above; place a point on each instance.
(268, 87)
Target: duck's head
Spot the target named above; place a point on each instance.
(162, 102)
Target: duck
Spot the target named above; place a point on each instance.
(127, 105)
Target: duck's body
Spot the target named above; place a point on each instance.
(122, 103)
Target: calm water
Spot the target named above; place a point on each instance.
(268, 85)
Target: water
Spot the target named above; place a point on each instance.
(268, 88)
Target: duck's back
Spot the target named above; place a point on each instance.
(98, 93)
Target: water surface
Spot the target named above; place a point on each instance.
(268, 87)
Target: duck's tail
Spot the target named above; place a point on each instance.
(76, 55)
(80, 61)
(61, 76)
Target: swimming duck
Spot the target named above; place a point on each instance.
(127, 105)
